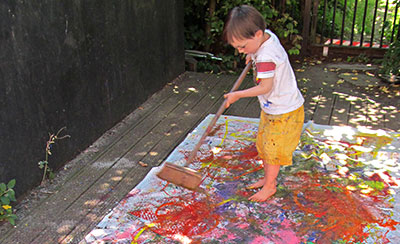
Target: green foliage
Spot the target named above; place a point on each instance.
(203, 28)
(7, 195)
(350, 9)
(362, 58)
(47, 171)
(391, 63)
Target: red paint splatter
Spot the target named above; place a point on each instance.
(184, 217)
(330, 208)
(237, 162)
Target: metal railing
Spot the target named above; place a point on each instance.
(355, 23)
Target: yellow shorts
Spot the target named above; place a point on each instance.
(279, 135)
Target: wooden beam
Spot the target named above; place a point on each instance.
(314, 21)
(306, 26)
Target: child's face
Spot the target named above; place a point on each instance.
(248, 46)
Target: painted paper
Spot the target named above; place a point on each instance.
(341, 188)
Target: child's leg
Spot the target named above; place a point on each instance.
(260, 182)
(269, 188)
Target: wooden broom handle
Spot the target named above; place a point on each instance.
(221, 109)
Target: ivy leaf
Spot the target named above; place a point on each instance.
(11, 218)
(51, 175)
(11, 184)
(41, 164)
(11, 195)
(5, 200)
(3, 187)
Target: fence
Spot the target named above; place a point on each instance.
(362, 25)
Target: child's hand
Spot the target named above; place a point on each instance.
(231, 98)
(248, 58)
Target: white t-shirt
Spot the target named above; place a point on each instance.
(271, 60)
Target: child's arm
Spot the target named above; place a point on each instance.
(263, 87)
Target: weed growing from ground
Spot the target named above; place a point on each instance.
(47, 171)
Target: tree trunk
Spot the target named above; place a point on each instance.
(306, 26)
(211, 11)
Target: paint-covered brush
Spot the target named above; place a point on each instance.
(184, 176)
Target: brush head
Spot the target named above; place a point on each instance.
(180, 176)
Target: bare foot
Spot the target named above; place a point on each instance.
(263, 194)
(258, 184)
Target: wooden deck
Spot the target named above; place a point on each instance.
(94, 182)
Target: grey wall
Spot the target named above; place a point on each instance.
(83, 64)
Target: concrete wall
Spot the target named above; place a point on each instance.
(83, 64)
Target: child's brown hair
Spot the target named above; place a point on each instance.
(242, 23)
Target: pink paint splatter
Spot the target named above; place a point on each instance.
(287, 237)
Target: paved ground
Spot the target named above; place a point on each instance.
(94, 182)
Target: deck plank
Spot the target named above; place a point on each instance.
(311, 97)
(245, 107)
(357, 114)
(252, 109)
(238, 107)
(341, 110)
(392, 119)
(324, 108)
(374, 116)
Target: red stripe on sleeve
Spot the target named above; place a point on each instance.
(265, 66)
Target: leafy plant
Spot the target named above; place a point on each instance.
(362, 58)
(204, 23)
(390, 70)
(7, 195)
(350, 11)
(47, 171)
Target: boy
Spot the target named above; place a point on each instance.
(282, 111)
